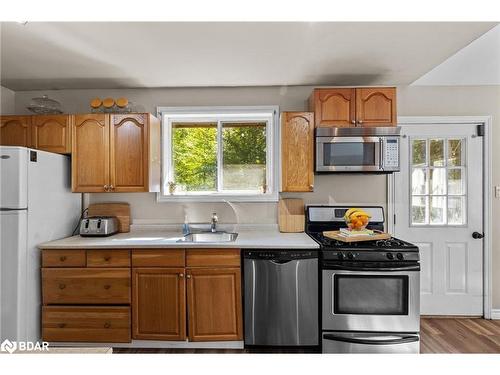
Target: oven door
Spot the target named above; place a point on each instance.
(348, 154)
(383, 300)
(368, 342)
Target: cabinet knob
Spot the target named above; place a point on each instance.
(62, 258)
(360, 122)
(111, 187)
(62, 286)
(188, 276)
(354, 122)
(181, 275)
(106, 188)
(107, 258)
(62, 325)
(107, 286)
(107, 325)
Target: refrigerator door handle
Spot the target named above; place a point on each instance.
(367, 341)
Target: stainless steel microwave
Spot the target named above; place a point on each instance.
(357, 149)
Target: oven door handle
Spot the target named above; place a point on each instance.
(365, 341)
(371, 269)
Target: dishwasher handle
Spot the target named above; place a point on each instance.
(367, 341)
(280, 256)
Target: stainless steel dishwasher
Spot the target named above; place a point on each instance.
(281, 297)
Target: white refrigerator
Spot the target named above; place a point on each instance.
(36, 205)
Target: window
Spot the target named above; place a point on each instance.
(214, 154)
(438, 189)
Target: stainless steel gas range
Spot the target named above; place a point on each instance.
(370, 290)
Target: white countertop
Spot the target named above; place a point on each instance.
(265, 237)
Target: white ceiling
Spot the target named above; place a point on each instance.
(476, 64)
(126, 55)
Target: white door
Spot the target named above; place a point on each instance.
(439, 207)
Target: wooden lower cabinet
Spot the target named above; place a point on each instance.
(214, 304)
(159, 303)
(86, 323)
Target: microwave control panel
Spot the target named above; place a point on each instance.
(391, 154)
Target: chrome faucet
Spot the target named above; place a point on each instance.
(213, 223)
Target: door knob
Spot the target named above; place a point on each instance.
(477, 235)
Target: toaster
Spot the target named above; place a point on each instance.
(98, 226)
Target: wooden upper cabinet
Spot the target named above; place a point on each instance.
(214, 304)
(51, 133)
(297, 148)
(351, 107)
(376, 106)
(129, 153)
(15, 131)
(159, 304)
(333, 107)
(116, 153)
(90, 154)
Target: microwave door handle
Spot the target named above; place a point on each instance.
(381, 153)
(366, 341)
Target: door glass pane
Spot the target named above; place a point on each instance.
(370, 295)
(436, 152)
(438, 210)
(419, 209)
(348, 153)
(194, 153)
(455, 152)
(419, 153)
(456, 210)
(456, 183)
(419, 181)
(438, 181)
(244, 156)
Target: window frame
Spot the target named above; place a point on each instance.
(220, 115)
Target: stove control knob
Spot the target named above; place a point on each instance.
(350, 256)
(340, 256)
(390, 256)
(399, 256)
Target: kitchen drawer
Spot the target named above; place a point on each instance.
(86, 323)
(63, 258)
(213, 257)
(108, 258)
(99, 286)
(158, 258)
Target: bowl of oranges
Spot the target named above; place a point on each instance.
(356, 219)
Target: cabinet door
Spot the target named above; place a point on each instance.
(159, 304)
(129, 153)
(90, 153)
(15, 131)
(297, 147)
(214, 304)
(51, 133)
(333, 107)
(376, 106)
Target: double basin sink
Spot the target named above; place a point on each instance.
(204, 237)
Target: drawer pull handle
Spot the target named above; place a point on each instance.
(62, 286)
(107, 258)
(62, 258)
(62, 325)
(107, 325)
(107, 286)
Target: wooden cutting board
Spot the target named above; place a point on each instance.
(334, 234)
(120, 210)
(291, 215)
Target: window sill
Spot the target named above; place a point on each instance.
(223, 198)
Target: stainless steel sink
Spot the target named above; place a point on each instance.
(210, 237)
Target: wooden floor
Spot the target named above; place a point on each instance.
(437, 335)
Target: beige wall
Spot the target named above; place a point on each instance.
(7, 101)
(370, 189)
